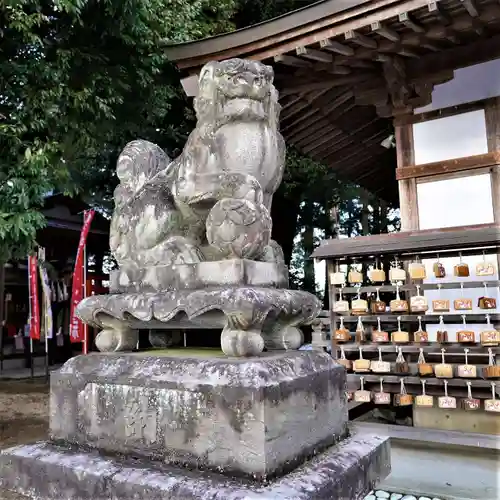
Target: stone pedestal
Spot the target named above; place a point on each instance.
(260, 428)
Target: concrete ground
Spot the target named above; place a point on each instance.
(24, 416)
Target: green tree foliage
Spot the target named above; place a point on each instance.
(255, 11)
(79, 78)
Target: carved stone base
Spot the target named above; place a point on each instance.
(231, 272)
(116, 336)
(348, 470)
(237, 415)
(249, 317)
(151, 426)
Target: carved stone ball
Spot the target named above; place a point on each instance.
(239, 228)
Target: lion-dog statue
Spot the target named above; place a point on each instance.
(213, 201)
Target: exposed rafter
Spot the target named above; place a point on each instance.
(335, 71)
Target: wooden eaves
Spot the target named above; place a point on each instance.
(345, 68)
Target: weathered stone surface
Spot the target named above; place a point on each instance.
(254, 417)
(345, 471)
(214, 200)
(250, 317)
(203, 221)
(231, 272)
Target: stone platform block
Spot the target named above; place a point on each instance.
(346, 471)
(255, 417)
(229, 272)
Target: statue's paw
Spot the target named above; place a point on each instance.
(179, 250)
(272, 253)
(243, 187)
(238, 343)
(239, 228)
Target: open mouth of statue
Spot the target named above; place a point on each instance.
(245, 107)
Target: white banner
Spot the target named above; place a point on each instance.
(47, 306)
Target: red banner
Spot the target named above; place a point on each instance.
(76, 327)
(34, 304)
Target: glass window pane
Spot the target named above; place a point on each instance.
(462, 201)
(455, 136)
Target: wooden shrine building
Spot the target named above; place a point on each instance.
(349, 71)
(60, 237)
(403, 98)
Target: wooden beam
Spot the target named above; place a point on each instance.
(300, 118)
(405, 151)
(353, 140)
(435, 9)
(362, 40)
(292, 61)
(359, 63)
(406, 19)
(327, 83)
(435, 114)
(391, 35)
(403, 51)
(381, 57)
(445, 20)
(449, 166)
(470, 7)
(492, 117)
(310, 122)
(362, 156)
(314, 55)
(308, 133)
(334, 46)
(303, 102)
(340, 145)
(334, 69)
(405, 155)
(290, 103)
(425, 44)
(458, 57)
(432, 240)
(327, 27)
(435, 32)
(320, 67)
(317, 123)
(283, 32)
(478, 27)
(320, 112)
(337, 102)
(309, 101)
(321, 139)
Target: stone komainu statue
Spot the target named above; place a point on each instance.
(192, 236)
(212, 202)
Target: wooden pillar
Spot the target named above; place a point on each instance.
(405, 153)
(492, 117)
